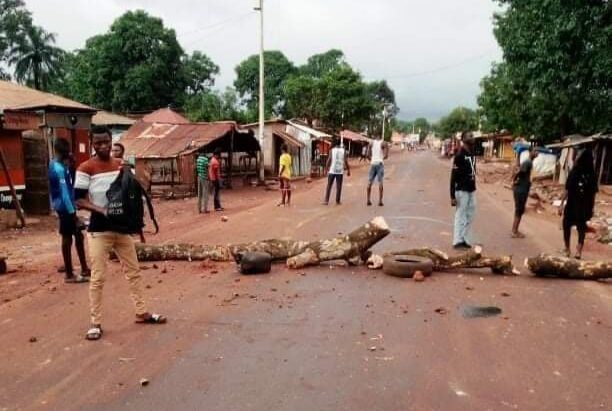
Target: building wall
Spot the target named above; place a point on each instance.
(10, 142)
(80, 146)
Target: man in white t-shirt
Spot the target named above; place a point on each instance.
(379, 151)
(336, 163)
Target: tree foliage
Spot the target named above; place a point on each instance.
(214, 106)
(555, 77)
(458, 120)
(137, 65)
(277, 70)
(35, 57)
(14, 20)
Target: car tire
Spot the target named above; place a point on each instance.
(406, 265)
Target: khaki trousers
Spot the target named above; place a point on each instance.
(100, 245)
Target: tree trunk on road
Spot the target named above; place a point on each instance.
(352, 247)
(470, 259)
(546, 265)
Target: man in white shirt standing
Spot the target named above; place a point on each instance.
(336, 163)
(379, 151)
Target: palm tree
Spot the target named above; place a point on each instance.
(36, 58)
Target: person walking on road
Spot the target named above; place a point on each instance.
(214, 175)
(364, 153)
(520, 189)
(284, 175)
(579, 200)
(203, 189)
(93, 180)
(336, 163)
(462, 191)
(379, 151)
(61, 188)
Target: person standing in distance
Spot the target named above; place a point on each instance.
(520, 189)
(214, 175)
(284, 175)
(379, 151)
(462, 191)
(336, 163)
(203, 189)
(93, 179)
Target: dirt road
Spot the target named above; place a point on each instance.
(325, 338)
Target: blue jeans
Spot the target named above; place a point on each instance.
(377, 171)
(330, 182)
(464, 216)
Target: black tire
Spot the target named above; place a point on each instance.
(2, 266)
(406, 265)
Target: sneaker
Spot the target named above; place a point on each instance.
(462, 246)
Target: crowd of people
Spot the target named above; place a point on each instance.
(576, 206)
(88, 187)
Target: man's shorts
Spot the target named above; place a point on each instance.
(376, 171)
(520, 200)
(67, 224)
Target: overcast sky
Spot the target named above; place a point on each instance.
(433, 53)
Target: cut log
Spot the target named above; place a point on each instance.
(546, 265)
(184, 252)
(470, 259)
(349, 247)
(352, 248)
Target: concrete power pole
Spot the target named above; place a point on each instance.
(259, 7)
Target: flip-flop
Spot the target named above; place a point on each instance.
(94, 333)
(518, 235)
(76, 280)
(152, 319)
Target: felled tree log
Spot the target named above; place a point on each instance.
(470, 259)
(185, 252)
(546, 265)
(352, 247)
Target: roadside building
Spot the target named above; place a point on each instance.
(308, 146)
(164, 152)
(601, 144)
(30, 121)
(354, 142)
(496, 145)
(118, 124)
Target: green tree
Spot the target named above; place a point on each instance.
(555, 77)
(277, 71)
(303, 96)
(458, 120)
(14, 19)
(381, 97)
(321, 64)
(35, 57)
(214, 106)
(137, 65)
(199, 72)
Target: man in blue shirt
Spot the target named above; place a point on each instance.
(62, 197)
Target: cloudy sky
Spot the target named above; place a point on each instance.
(433, 53)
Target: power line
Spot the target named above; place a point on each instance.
(442, 68)
(219, 28)
(212, 26)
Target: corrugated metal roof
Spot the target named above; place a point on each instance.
(165, 115)
(309, 130)
(162, 140)
(288, 138)
(351, 135)
(107, 118)
(17, 97)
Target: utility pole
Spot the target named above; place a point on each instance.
(259, 7)
(384, 113)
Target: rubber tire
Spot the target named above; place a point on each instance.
(406, 265)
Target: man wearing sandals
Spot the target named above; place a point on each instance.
(93, 179)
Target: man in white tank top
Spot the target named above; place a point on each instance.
(336, 164)
(379, 151)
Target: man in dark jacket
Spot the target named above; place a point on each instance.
(462, 191)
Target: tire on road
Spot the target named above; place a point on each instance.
(406, 265)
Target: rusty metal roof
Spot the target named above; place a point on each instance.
(107, 118)
(351, 135)
(165, 115)
(162, 140)
(289, 139)
(17, 97)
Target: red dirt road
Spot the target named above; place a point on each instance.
(329, 337)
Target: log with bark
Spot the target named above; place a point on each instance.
(546, 265)
(470, 259)
(352, 248)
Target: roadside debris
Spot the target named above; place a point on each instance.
(33, 339)
(144, 382)
(418, 277)
(441, 310)
(475, 311)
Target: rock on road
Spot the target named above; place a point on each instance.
(329, 337)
